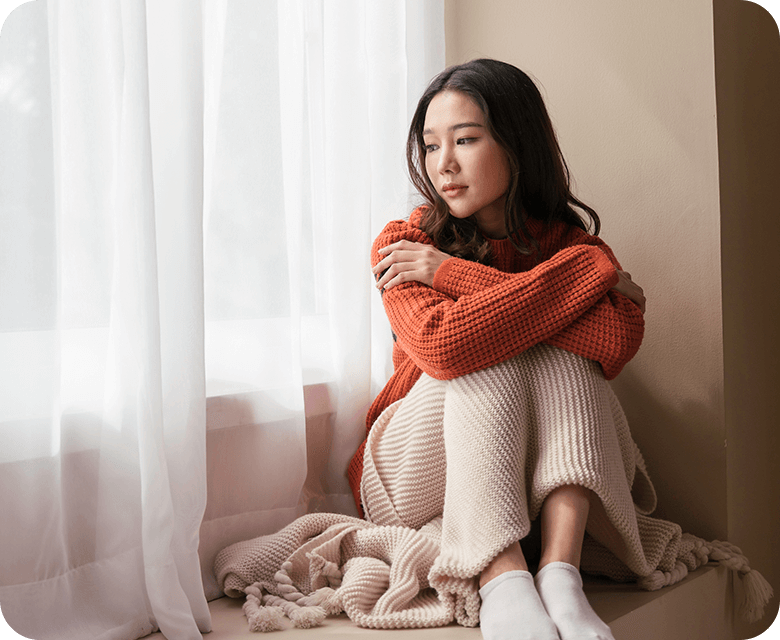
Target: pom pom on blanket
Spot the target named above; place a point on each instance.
(261, 618)
(326, 598)
(758, 592)
(265, 612)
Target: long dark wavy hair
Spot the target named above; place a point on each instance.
(540, 184)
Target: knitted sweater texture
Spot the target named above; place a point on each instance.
(475, 316)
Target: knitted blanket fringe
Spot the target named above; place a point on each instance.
(430, 469)
(756, 591)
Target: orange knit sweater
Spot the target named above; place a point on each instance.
(475, 316)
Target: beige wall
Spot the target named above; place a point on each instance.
(632, 89)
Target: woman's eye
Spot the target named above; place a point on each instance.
(430, 147)
(465, 140)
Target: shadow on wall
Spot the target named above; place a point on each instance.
(672, 443)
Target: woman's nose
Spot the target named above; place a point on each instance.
(447, 161)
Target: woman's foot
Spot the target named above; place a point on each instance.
(512, 610)
(559, 586)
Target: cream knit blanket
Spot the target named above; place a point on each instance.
(455, 472)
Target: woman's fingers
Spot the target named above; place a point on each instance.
(401, 244)
(406, 261)
(397, 256)
(394, 264)
(630, 289)
(401, 251)
(393, 274)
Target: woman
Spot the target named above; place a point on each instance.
(492, 285)
(509, 318)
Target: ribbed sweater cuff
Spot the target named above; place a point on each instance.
(441, 277)
(457, 277)
(604, 264)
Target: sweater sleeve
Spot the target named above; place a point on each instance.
(610, 332)
(451, 333)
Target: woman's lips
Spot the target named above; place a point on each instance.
(453, 189)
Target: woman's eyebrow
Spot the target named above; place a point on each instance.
(461, 125)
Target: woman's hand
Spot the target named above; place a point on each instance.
(630, 289)
(406, 261)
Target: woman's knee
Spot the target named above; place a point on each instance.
(527, 369)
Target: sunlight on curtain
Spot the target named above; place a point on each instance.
(102, 416)
(312, 103)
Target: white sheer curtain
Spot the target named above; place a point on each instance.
(138, 379)
(102, 417)
(311, 105)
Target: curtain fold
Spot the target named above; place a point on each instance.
(100, 531)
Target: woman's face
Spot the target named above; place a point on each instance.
(467, 167)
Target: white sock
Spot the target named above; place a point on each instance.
(560, 587)
(511, 609)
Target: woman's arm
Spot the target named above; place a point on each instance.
(449, 337)
(610, 332)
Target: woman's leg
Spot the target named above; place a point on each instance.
(487, 431)
(558, 581)
(511, 607)
(564, 515)
(510, 559)
(510, 434)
